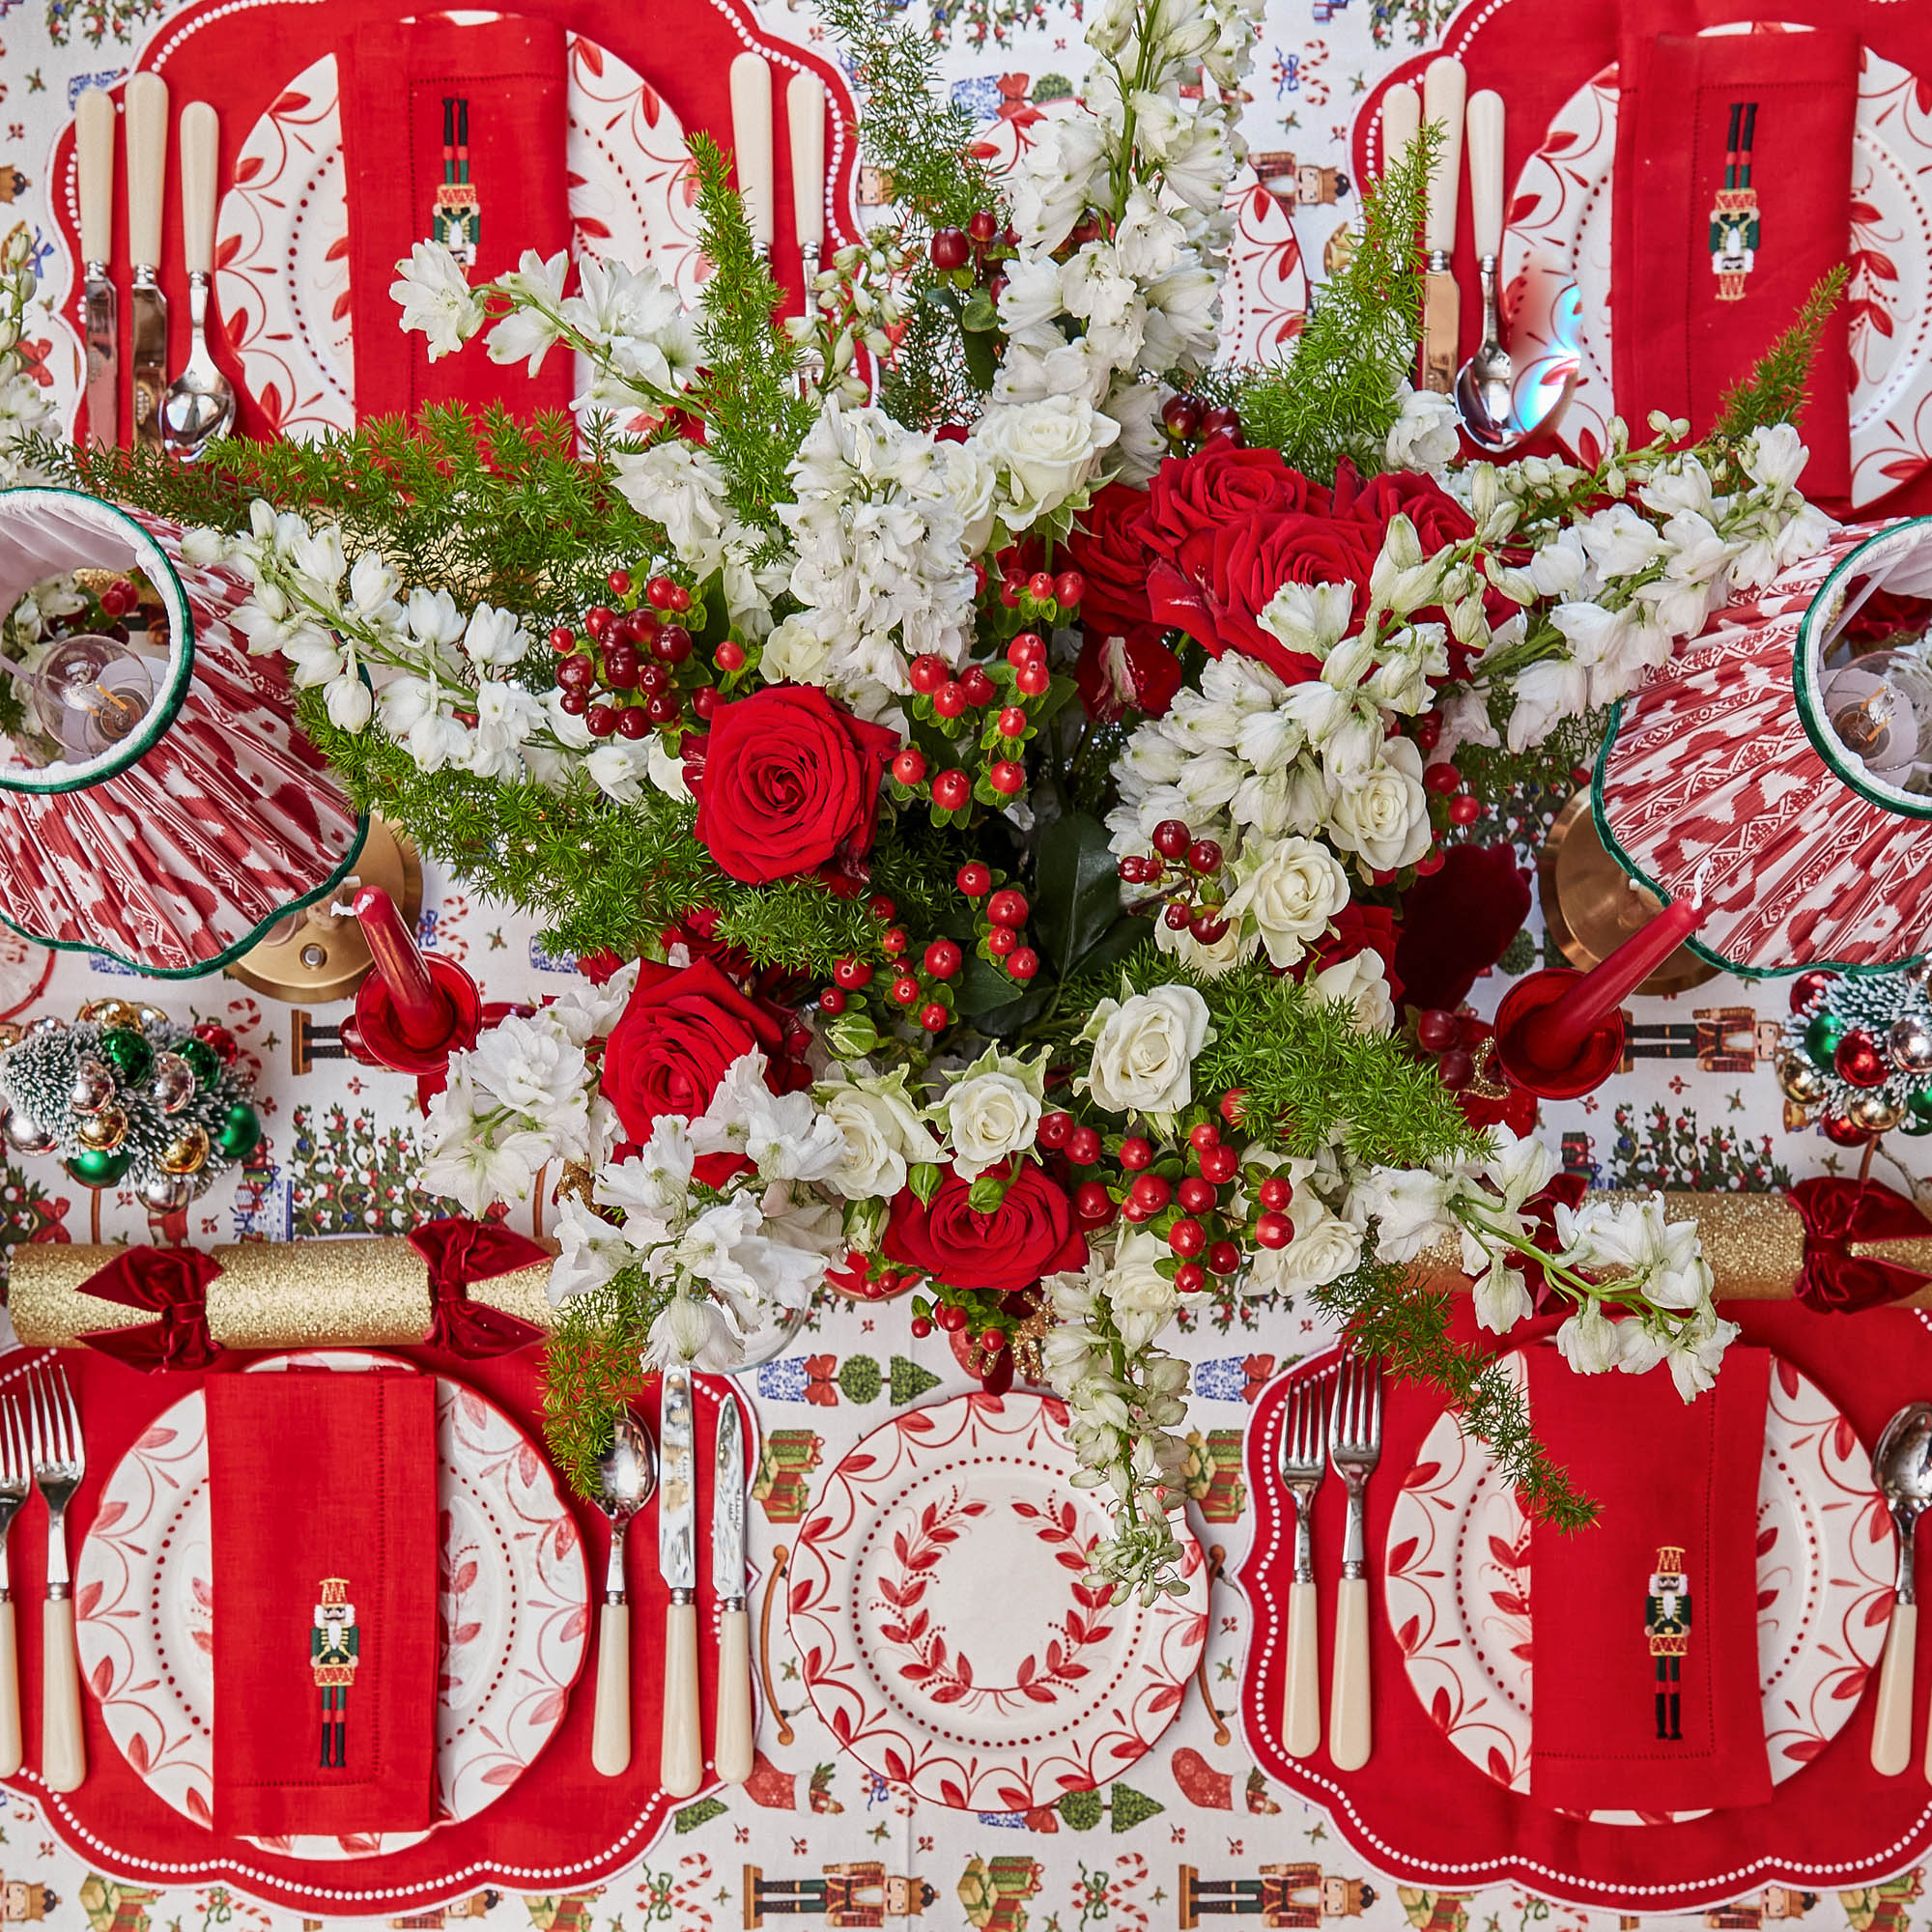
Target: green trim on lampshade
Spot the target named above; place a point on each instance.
(161, 571)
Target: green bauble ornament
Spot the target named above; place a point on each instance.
(1918, 1113)
(204, 1063)
(97, 1168)
(1821, 1037)
(240, 1132)
(128, 1053)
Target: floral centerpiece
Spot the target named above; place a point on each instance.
(980, 749)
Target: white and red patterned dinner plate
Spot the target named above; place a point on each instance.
(281, 248)
(1460, 1596)
(514, 1607)
(948, 1634)
(1557, 264)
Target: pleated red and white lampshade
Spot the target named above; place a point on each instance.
(163, 805)
(1780, 767)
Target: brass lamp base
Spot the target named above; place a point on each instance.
(312, 956)
(1591, 905)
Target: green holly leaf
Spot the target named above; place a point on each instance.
(1076, 891)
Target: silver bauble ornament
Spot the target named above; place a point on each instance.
(171, 1084)
(46, 1024)
(1919, 971)
(1908, 1042)
(93, 1085)
(25, 1135)
(163, 1193)
(1875, 1114)
(1800, 1079)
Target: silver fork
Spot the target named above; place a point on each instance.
(1301, 1471)
(16, 1478)
(1354, 1447)
(60, 1462)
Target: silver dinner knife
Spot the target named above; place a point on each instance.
(94, 119)
(147, 305)
(681, 1764)
(732, 1751)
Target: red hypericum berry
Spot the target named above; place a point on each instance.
(1219, 1165)
(1008, 907)
(1010, 594)
(949, 249)
(1133, 870)
(975, 880)
(729, 655)
(1172, 839)
(1033, 679)
(1069, 587)
(1223, 1258)
(1220, 420)
(638, 626)
(903, 990)
(1195, 1194)
(1012, 722)
(854, 974)
(1149, 1191)
(1208, 925)
(620, 666)
(1429, 731)
(1136, 1153)
(934, 1018)
(1029, 648)
(1443, 778)
(1039, 586)
(602, 719)
(831, 1000)
(1001, 941)
(1023, 962)
(633, 721)
(1437, 1030)
(1190, 1278)
(562, 639)
(950, 1316)
(1183, 417)
(893, 942)
(657, 593)
(1083, 1147)
(1092, 1203)
(942, 958)
(672, 646)
(663, 708)
(927, 674)
(921, 1326)
(979, 689)
(619, 581)
(1178, 917)
(680, 597)
(1456, 1069)
(1430, 863)
(653, 676)
(1204, 1135)
(1275, 1193)
(704, 701)
(909, 767)
(1007, 777)
(1053, 1129)
(1235, 1105)
(576, 672)
(949, 699)
(1187, 1236)
(984, 226)
(599, 618)
(951, 791)
(573, 703)
(1274, 1231)
(881, 905)
(1465, 809)
(992, 1340)
(1205, 855)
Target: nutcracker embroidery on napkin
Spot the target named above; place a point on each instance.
(1734, 222)
(1666, 1623)
(457, 220)
(335, 1649)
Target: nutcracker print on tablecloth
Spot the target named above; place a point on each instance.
(1734, 220)
(1667, 1623)
(335, 1648)
(457, 219)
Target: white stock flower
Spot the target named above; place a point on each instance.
(529, 330)
(1589, 1340)
(349, 701)
(437, 299)
(1500, 1297)
(693, 1329)
(494, 637)
(1409, 1206)
(1144, 1050)
(1424, 436)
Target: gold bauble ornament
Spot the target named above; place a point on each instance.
(146, 1016)
(103, 1131)
(186, 1151)
(10, 1035)
(1800, 1079)
(110, 1013)
(1874, 1113)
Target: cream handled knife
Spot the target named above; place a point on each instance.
(1444, 88)
(751, 142)
(805, 123)
(148, 306)
(731, 1753)
(1402, 119)
(94, 119)
(681, 1767)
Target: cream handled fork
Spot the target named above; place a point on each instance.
(60, 1461)
(1354, 1447)
(1301, 1472)
(16, 1478)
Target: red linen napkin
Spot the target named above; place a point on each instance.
(1733, 196)
(1646, 1672)
(504, 80)
(324, 1501)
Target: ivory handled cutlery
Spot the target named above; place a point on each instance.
(1444, 87)
(147, 98)
(731, 1750)
(94, 119)
(682, 1746)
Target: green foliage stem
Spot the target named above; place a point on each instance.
(1779, 383)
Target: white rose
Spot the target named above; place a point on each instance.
(1289, 896)
(990, 1116)
(971, 482)
(1363, 984)
(1046, 449)
(1324, 1248)
(1382, 812)
(1234, 948)
(1144, 1050)
(884, 1136)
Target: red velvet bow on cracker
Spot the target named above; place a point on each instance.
(174, 1283)
(459, 1252)
(1840, 1217)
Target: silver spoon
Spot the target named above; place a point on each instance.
(199, 405)
(1483, 384)
(627, 1477)
(1902, 1464)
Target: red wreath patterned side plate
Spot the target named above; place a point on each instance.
(948, 1636)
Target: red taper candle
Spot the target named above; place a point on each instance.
(422, 1015)
(1554, 1034)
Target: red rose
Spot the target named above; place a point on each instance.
(680, 1032)
(1030, 1233)
(1223, 579)
(1358, 928)
(1439, 519)
(1222, 485)
(788, 781)
(1116, 674)
(1109, 547)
